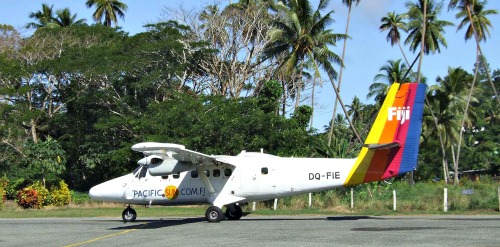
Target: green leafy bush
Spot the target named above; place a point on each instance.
(13, 187)
(61, 195)
(2, 194)
(4, 181)
(79, 197)
(27, 198)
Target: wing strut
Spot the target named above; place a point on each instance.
(204, 178)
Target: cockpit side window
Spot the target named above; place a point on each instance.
(155, 161)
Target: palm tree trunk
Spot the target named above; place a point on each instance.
(441, 142)
(283, 109)
(445, 169)
(297, 95)
(471, 20)
(478, 54)
(344, 109)
(422, 42)
(424, 25)
(312, 101)
(469, 97)
(455, 166)
(488, 74)
(330, 133)
(404, 55)
(298, 87)
(406, 60)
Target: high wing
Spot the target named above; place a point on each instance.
(175, 151)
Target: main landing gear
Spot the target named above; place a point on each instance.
(129, 214)
(234, 212)
(214, 213)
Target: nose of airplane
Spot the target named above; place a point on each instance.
(106, 192)
(95, 192)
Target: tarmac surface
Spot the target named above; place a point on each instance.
(255, 231)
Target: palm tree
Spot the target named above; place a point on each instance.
(431, 32)
(479, 17)
(393, 71)
(465, 6)
(65, 19)
(453, 89)
(426, 30)
(478, 27)
(44, 17)
(394, 22)
(107, 9)
(355, 110)
(300, 35)
(348, 3)
(448, 98)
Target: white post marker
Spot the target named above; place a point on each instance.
(275, 203)
(352, 197)
(498, 198)
(253, 206)
(310, 200)
(445, 204)
(394, 196)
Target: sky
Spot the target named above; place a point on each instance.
(367, 50)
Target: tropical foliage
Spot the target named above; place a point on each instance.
(74, 99)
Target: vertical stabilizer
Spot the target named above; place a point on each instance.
(391, 147)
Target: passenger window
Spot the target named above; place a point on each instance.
(164, 177)
(264, 170)
(176, 175)
(207, 172)
(228, 172)
(194, 173)
(216, 173)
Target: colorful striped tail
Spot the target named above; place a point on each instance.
(391, 147)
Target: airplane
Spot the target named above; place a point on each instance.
(170, 174)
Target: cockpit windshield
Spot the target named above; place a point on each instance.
(140, 171)
(136, 169)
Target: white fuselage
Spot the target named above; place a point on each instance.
(254, 177)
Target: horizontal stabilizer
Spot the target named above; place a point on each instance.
(381, 146)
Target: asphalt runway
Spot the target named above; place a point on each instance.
(255, 231)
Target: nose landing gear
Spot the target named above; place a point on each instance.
(129, 214)
(214, 214)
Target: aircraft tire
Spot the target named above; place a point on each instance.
(214, 214)
(129, 215)
(234, 214)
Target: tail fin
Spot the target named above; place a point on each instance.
(391, 147)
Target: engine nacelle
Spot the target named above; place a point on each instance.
(160, 166)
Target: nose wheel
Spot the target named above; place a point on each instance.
(129, 214)
(214, 214)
